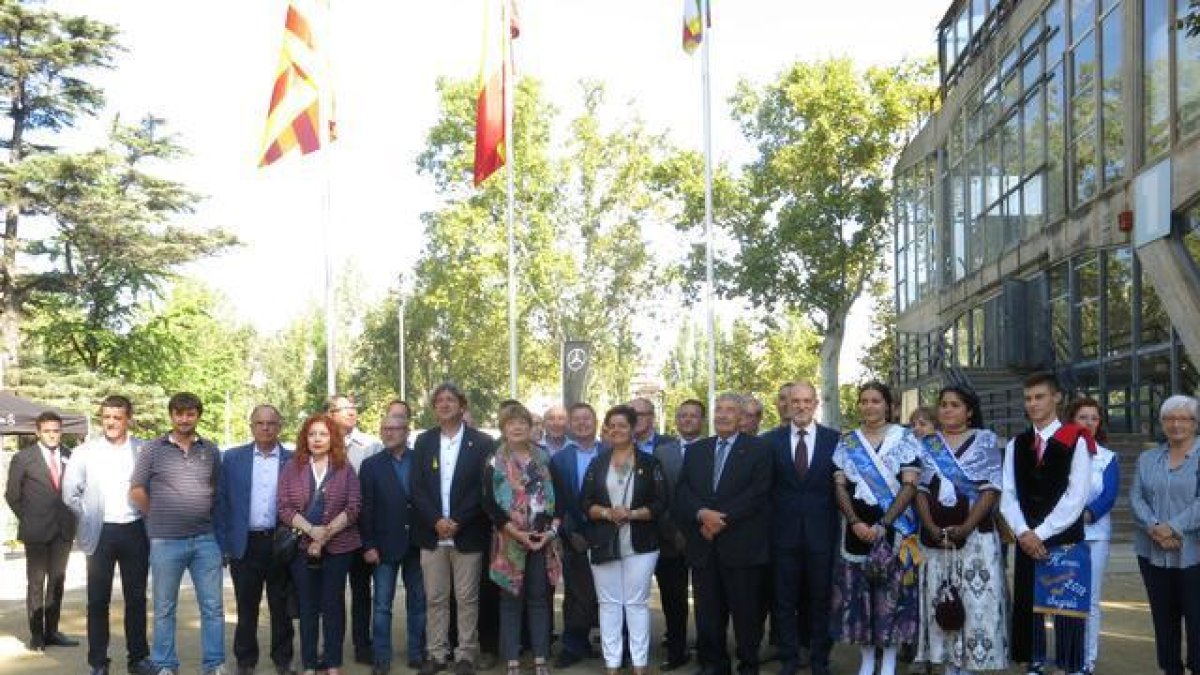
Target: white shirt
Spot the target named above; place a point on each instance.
(359, 446)
(114, 473)
(810, 438)
(448, 459)
(264, 483)
(1069, 506)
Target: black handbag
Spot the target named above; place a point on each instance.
(285, 543)
(948, 609)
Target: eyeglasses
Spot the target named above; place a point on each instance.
(1179, 419)
(395, 428)
(645, 414)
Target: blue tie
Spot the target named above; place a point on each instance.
(719, 466)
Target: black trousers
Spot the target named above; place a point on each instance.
(361, 609)
(672, 576)
(1174, 596)
(45, 574)
(126, 545)
(251, 574)
(801, 602)
(580, 610)
(723, 593)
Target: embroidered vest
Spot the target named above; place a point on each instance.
(1040, 486)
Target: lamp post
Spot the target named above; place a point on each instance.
(400, 311)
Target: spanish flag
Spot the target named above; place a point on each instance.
(301, 111)
(495, 80)
(693, 25)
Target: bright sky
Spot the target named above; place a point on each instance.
(207, 68)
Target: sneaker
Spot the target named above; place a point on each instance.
(143, 667)
(165, 671)
(219, 670)
(486, 661)
(431, 667)
(464, 667)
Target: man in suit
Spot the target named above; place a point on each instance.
(46, 526)
(111, 532)
(783, 404)
(671, 570)
(724, 497)
(752, 414)
(580, 609)
(384, 523)
(246, 522)
(803, 533)
(450, 527)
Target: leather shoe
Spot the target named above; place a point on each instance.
(674, 664)
(245, 670)
(143, 667)
(57, 639)
(364, 658)
(36, 645)
(100, 670)
(566, 659)
(802, 658)
(818, 669)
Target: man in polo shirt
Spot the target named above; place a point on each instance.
(359, 446)
(174, 484)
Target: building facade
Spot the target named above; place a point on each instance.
(1048, 215)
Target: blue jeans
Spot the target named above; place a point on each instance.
(321, 596)
(201, 557)
(414, 605)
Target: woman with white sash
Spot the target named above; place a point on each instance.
(1097, 528)
(874, 598)
(960, 488)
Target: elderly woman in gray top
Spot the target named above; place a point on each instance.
(1167, 543)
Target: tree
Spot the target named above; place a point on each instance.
(808, 217)
(111, 248)
(1191, 21)
(43, 56)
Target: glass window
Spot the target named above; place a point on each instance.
(1033, 204)
(1156, 325)
(1085, 184)
(978, 14)
(1034, 120)
(1087, 277)
(962, 340)
(1057, 41)
(1154, 379)
(1060, 313)
(1055, 145)
(1191, 234)
(1156, 78)
(1083, 16)
(1187, 76)
(958, 211)
(1118, 290)
(1118, 379)
(978, 335)
(963, 29)
(1113, 108)
(1083, 120)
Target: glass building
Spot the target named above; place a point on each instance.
(1048, 215)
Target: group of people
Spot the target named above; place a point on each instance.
(891, 538)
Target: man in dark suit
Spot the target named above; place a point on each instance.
(451, 528)
(46, 526)
(724, 497)
(384, 523)
(671, 570)
(579, 609)
(246, 518)
(803, 533)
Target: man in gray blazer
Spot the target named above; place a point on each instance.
(111, 533)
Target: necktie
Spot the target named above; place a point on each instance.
(54, 468)
(801, 453)
(1039, 446)
(719, 466)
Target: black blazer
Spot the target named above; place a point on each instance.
(743, 495)
(805, 514)
(466, 490)
(42, 515)
(387, 511)
(649, 490)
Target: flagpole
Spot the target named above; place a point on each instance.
(330, 332)
(706, 86)
(509, 159)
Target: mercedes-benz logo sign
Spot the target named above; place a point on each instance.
(576, 360)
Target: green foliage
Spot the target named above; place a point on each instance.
(1191, 21)
(111, 247)
(80, 390)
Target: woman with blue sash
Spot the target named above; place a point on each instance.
(960, 488)
(874, 598)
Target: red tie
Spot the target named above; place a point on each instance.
(54, 470)
(1039, 446)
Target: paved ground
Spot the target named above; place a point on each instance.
(1127, 647)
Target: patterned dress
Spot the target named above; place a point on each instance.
(977, 568)
(881, 611)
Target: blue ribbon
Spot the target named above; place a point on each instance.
(905, 524)
(943, 458)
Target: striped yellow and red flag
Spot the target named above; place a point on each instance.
(301, 112)
(500, 25)
(694, 23)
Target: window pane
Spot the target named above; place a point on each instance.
(1113, 114)
(1156, 78)
(1058, 32)
(978, 13)
(1056, 145)
(1191, 235)
(1033, 204)
(1083, 169)
(1156, 325)
(1083, 16)
(958, 215)
(1087, 274)
(1011, 152)
(1083, 74)
(1118, 288)
(1060, 314)
(1187, 76)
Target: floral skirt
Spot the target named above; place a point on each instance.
(977, 569)
(883, 613)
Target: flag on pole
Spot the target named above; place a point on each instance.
(301, 111)
(495, 80)
(694, 23)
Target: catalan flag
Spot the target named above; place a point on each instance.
(301, 111)
(694, 23)
(495, 80)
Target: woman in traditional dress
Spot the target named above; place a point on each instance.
(1097, 528)
(877, 468)
(960, 487)
(518, 495)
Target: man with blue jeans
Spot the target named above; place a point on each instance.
(383, 523)
(174, 485)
